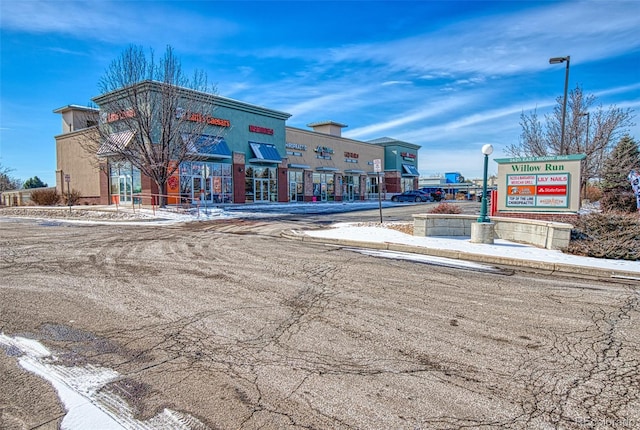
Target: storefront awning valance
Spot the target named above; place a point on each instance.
(354, 171)
(326, 169)
(299, 166)
(207, 146)
(410, 170)
(265, 153)
(115, 143)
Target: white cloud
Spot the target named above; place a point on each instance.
(387, 83)
(421, 113)
(500, 45)
(115, 22)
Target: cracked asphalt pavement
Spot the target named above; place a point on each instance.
(243, 329)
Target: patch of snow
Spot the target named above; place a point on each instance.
(500, 248)
(428, 259)
(80, 390)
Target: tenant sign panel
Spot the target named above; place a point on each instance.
(539, 184)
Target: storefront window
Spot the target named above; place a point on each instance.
(207, 182)
(323, 187)
(373, 187)
(261, 184)
(296, 186)
(406, 184)
(125, 182)
(351, 188)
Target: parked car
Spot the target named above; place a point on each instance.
(436, 194)
(412, 196)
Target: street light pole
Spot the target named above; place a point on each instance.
(586, 141)
(558, 60)
(584, 162)
(486, 150)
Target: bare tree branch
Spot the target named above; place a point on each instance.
(591, 130)
(152, 115)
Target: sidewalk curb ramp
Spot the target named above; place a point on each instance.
(544, 267)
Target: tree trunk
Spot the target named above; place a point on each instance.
(162, 198)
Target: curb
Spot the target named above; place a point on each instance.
(544, 267)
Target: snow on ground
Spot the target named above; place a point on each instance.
(501, 248)
(127, 214)
(366, 233)
(80, 390)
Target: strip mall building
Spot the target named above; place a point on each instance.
(257, 158)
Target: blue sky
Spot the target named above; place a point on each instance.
(449, 76)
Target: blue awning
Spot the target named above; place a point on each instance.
(265, 153)
(410, 170)
(208, 146)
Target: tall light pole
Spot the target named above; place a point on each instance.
(586, 141)
(486, 150)
(586, 144)
(559, 60)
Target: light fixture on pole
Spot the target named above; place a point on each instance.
(559, 60)
(486, 150)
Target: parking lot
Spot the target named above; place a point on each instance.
(236, 327)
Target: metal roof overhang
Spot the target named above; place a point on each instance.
(265, 153)
(299, 166)
(410, 170)
(206, 146)
(115, 143)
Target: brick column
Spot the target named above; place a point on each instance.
(238, 175)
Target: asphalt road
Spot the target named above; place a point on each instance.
(242, 329)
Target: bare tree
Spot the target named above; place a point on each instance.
(590, 129)
(153, 116)
(7, 182)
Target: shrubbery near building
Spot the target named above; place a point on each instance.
(48, 197)
(606, 235)
(72, 198)
(446, 208)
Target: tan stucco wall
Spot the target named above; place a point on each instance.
(73, 158)
(366, 152)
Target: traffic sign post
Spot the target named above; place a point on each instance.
(67, 179)
(377, 168)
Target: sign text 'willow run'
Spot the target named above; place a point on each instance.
(549, 167)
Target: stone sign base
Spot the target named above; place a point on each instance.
(482, 232)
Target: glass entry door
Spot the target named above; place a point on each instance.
(125, 185)
(261, 191)
(349, 194)
(197, 186)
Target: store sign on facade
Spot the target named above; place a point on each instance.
(323, 152)
(117, 116)
(291, 146)
(262, 130)
(351, 157)
(298, 146)
(407, 156)
(199, 117)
